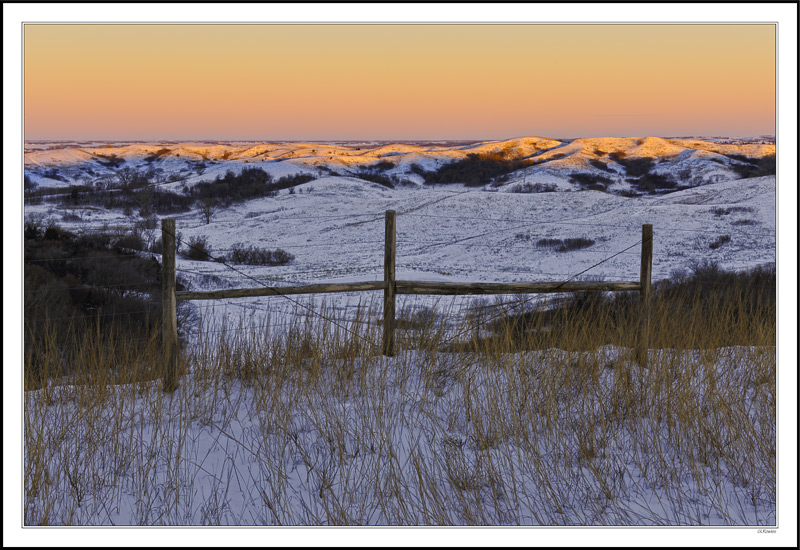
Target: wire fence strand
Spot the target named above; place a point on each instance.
(277, 292)
(526, 300)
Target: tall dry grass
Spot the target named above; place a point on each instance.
(535, 418)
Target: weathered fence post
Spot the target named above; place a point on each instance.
(644, 295)
(389, 290)
(169, 324)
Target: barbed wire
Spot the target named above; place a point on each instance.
(316, 245)
(196, 272)
(526, 300)
(321, 270)
(272, 289)
(426, 245)
(250, 328)
(297, 323)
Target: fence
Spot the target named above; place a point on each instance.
(391, 288)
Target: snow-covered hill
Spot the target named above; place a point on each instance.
(689, 162)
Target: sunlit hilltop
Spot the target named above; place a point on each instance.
(610, 164)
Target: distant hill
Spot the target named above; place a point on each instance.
(526, 164)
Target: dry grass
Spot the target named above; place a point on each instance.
(312, 426)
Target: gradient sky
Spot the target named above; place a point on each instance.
(328, 82)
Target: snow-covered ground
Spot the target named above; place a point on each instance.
(234, 460)
(334, 226)
(411, 440)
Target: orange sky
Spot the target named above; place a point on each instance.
(394, 81)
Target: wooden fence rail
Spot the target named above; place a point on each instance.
(456, 289)
(277, 291)
(391, 288)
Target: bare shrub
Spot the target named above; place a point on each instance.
(253, 255)
(591, 181)
(722, 239)
(132, 240)
(533, 188)
(731, 209)
(600, 165)
(565, 245)
(197, 249)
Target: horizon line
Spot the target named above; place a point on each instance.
(359, 140)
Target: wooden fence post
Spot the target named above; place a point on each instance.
(644, 295)
(169, 325)
(389, 290)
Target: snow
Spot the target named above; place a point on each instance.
(217, 454)
(235, 461)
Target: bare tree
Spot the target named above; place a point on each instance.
(206, 207)
(126, 176)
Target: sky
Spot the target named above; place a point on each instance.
(396, 81)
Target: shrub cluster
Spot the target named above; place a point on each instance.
(197, 249)
(129, 178)
(748, 167)
(381, 179)
(719, 241)
(71, 194)
(652, 183)
(730, 210)
(161, 201)
(128, 189)
(74, 283)
(250, 183)
(134, 190)
(639, 171)
(146, 200)
(591, 181)
(252, 255)
(383, 165)
(132, 241)
(287, 182)
(599, 164)
(474, 170)
(533, 188)
(419, 170)
(634, 167)
(565, 245)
